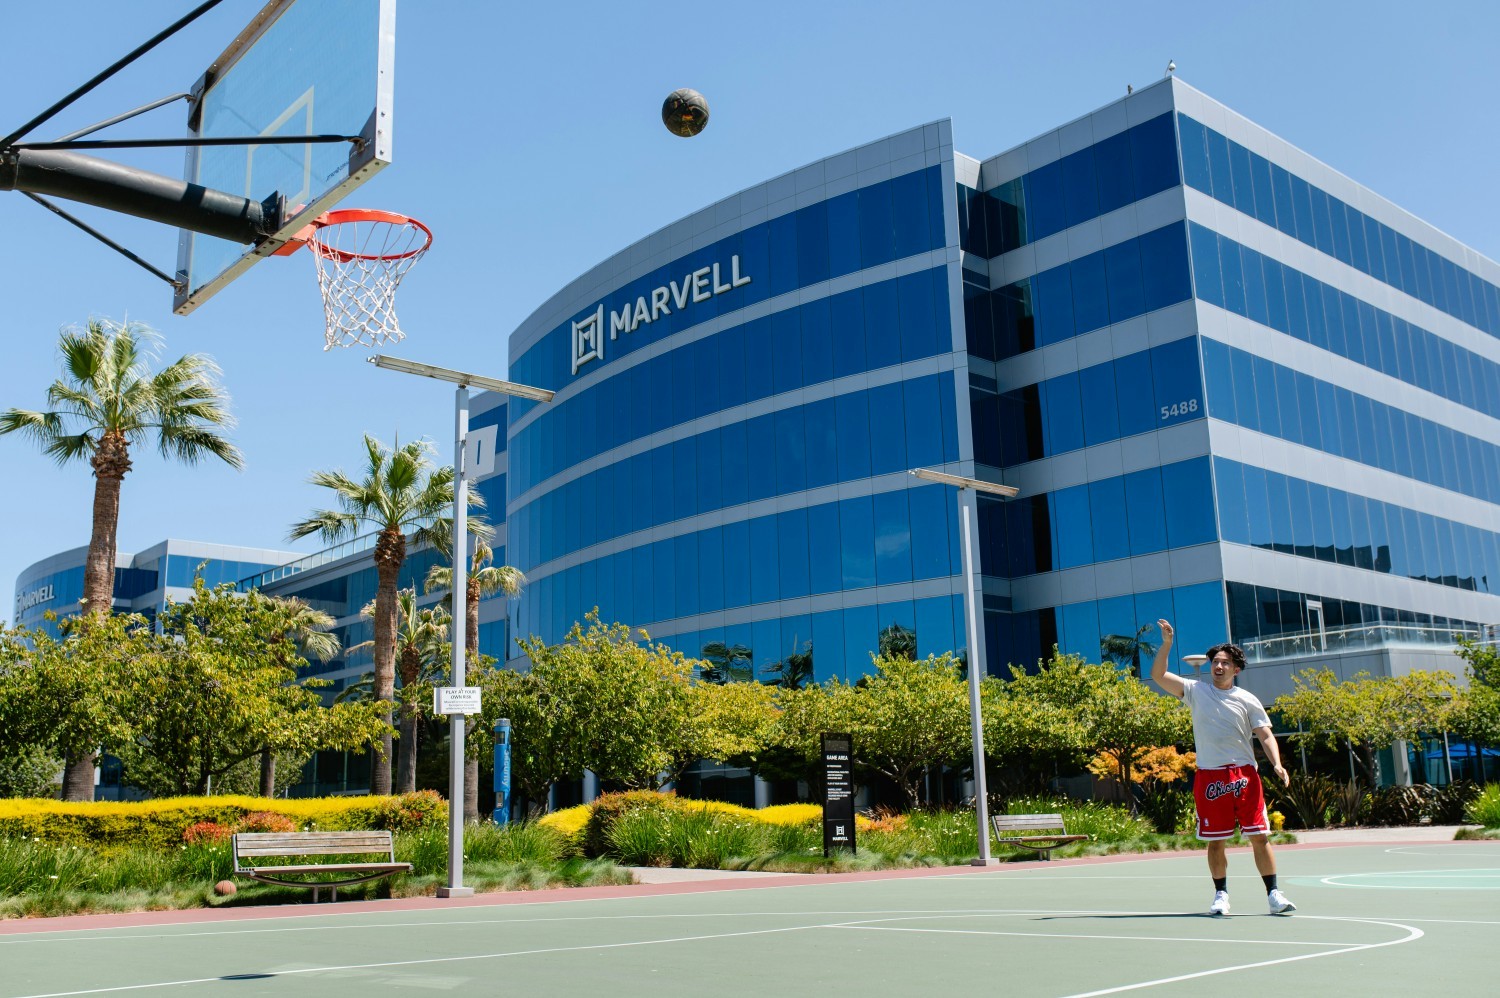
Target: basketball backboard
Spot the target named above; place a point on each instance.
(301, 67)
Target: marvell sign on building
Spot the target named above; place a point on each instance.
(701, 285)
(36, 597)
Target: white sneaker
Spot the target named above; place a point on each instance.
(1221, 903)
(1279, 903)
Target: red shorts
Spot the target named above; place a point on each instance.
(1226, 797)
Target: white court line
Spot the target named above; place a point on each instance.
(411, 963)
(1452, 874)
(1413, 934)
(1089, 935)
(1447, 852)
(79, 937)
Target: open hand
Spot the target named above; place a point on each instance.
(1167, 633)
(1281, 774)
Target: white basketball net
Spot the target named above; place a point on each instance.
(361, 262)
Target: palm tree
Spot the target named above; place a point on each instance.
(401, 492)
(107, 401)
(1123, 648)
(421, 647)
(482, 580)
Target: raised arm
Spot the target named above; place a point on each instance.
(1168, 681)
(1272, 750)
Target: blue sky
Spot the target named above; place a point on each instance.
(527, 136)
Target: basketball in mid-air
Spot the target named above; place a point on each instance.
(684, 112)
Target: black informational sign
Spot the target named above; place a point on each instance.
(838, 793)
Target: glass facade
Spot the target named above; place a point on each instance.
(734, 474)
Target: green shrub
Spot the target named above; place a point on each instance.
(516, 842)
(609, 808)
(1401, 805)
(1485, 809)
(1169, 809)
(1450, 803)
(638, 837)
(1351, 803)
(1102, 822)
(1307, 799)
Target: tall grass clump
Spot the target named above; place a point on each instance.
(1102, 822)
(1485, 809)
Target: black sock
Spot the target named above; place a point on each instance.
(1221, 883)
(1270, 879)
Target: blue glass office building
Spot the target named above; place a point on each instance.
(1234, 388)
(144, 581)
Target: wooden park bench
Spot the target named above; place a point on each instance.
(1042, 832)
(287, 845)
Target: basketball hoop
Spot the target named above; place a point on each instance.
(362, 255)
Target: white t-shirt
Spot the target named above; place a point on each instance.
(1223, 723)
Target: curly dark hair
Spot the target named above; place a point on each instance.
(1235, 652)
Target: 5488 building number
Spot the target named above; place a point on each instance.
(1179, 408)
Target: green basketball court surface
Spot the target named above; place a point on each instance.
(1420, 918)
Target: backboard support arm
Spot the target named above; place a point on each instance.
(125, 189)
(99, 126)
(132, 56)
(240, 140)
(127, 254)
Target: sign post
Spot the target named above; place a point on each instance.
(502, 771)
(838, 793)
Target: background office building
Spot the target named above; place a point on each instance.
(1235, 389)
(339, 580)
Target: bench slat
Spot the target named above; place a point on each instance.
(1027, 821)
(326, 867)
(310, 843)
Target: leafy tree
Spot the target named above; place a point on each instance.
(1129, 649)
(400, 493)
(295, 630)
(731, 723)
(1041, 717)
(422, 654)
(481, 581)
(28, 772)
(66, 696)
(213, 690)
(1071, 709)
(726, 663)
(909, 715)
(541, 745)
(1370, 713)
(795, 749)
(1126, 717)
(1475, 713)
(107, 401)
(626, 705)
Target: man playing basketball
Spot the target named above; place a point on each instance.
(1227, 787)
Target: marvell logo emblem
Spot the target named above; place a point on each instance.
(701, 285)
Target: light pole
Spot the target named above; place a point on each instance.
(458, 721)
(976, 662)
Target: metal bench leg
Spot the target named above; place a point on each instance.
(334, 894)
(315, 895)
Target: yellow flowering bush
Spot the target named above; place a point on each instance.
(161, 823)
